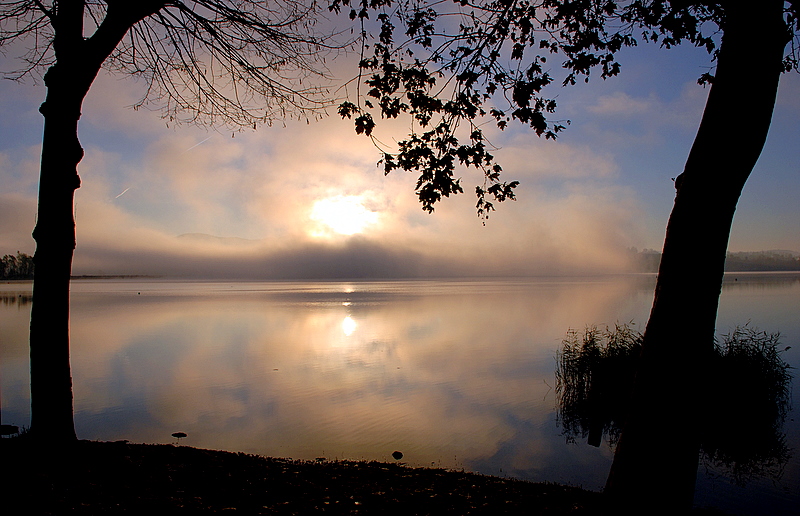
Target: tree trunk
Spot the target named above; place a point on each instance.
(51, 381)
(78, 60)
(655, 463)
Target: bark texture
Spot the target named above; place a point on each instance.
(656, 460)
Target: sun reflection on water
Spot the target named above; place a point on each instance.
(348, 326)
(452, 373)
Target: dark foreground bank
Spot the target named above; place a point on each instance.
(120, 478)
(117, 478)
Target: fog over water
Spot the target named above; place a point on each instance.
(258, 205)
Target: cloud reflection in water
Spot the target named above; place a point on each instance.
(454, 373)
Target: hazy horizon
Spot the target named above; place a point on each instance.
(309, 197)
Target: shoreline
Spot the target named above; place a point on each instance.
(94, 477)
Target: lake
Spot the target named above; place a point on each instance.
(457, 374)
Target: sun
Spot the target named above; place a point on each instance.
(342, 214)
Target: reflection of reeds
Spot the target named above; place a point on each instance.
(748, 399)
(593, 380)
(11, 298)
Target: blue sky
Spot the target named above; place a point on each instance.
(279, 196)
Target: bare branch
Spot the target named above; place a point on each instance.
(47, 12)
(235, 62)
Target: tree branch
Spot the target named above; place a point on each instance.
(47, 12)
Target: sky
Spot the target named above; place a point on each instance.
(307, 200)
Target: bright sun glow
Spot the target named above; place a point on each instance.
(348, 326)
(345, 215)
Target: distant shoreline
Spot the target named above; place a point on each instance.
(114, 276)
(371, 279)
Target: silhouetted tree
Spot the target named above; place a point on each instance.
(460, 63)
(16, 267)
(235, 62)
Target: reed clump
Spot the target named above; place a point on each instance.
(594, 376)
(748, 398)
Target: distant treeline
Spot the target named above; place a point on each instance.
(647, 260)
(16, 267)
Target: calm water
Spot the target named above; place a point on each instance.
(458, 374)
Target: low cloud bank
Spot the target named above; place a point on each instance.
(203, 256)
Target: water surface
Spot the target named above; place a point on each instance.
(458, 374)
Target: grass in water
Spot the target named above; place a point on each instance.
(748, 399)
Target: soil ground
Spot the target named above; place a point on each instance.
(93, 478)
(120, 478)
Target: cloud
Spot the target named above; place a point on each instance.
(584, 229)
(620, 103)
(789, 93)
(19, 169)
(619, 119)
(17, 218)
(525, 156)
(262, 375)
(583, 232)
(258, 189)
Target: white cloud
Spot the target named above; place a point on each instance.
(620, 103)
(618, 119)
(260, 187)
(526, 157)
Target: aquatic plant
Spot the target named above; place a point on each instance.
(750, 397)
(747, 399)
(593, 380)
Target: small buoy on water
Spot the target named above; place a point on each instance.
(397, 455)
